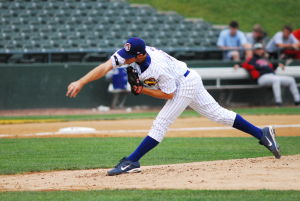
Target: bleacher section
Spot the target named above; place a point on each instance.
(77, 27)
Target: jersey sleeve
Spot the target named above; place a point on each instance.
(278, 38)
(242, 38)
(294, 39)
(250, 38)
(221, 39)
(166, 84)
(117, 60)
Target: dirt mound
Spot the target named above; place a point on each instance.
(253, 173)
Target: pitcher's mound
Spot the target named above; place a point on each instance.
(253, 173)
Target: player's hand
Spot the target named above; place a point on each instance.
(74, 88)
(295, 46)
(236, 67)
(282, 66)
(136, 90)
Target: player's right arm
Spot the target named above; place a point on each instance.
(283, 45)
(279, 42)
(95, 74)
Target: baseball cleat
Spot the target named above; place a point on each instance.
(125, 166)
(269, 141)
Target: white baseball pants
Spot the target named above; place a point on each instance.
(276, 81)
(190, 92)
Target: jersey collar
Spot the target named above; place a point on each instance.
(145, 64)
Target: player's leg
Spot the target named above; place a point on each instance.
(291, 83)
(123, 97)
(272, 80)
(234, 55)
(115, 100)
(171, 110)
(205, 104)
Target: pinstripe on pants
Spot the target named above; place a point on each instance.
(190, 92)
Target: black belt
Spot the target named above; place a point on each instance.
(186, 73)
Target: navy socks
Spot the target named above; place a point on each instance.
(146, 145)
(149, 143)
(245, 126)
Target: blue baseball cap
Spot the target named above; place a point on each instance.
(132, 48)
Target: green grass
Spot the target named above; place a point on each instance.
(187, 113)
(154, 195)
(271, 14)
(40, 154)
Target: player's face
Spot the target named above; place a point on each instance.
(259, 52)
(139, 58)
(233, 31)
(286, 33)
(130, 61)
(257, 34)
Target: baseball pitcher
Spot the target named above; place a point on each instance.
(155, 73)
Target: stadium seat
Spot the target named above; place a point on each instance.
(90, 24)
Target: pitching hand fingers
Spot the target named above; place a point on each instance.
(73, 89)
(74, 92)
(70, 89)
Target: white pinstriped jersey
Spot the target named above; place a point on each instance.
(171, 76)
(164, 71)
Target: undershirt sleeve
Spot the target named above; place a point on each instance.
(117, 60)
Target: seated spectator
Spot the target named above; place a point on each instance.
(258, 35)
(296, 33)
(262, 70)
(283, 43)
(233, 41)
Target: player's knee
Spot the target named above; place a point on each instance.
(276, 81)
(159, 129)
(235, 55)
(291, 80)
(222, 116)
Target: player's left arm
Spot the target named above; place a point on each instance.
(156, 93)
(166, 88)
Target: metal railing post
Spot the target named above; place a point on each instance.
(49, 58)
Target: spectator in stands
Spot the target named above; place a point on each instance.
(262, 70)
(119, 87)
(283, 44)
(296, 33)
(233, 41)
(258, 35)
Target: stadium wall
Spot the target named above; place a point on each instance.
(24, 86)
(44, 86)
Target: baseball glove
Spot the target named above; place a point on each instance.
(134, 81)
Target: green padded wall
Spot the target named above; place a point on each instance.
(44, 86)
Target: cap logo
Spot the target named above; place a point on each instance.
(127, 47)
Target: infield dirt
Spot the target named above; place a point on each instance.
(250, 174)
(111, 126)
